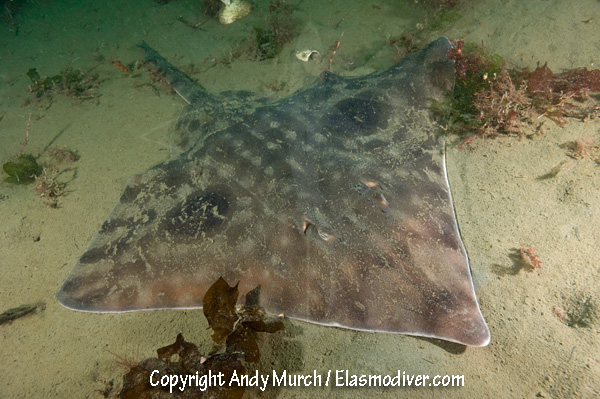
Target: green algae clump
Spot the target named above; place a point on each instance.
(23, 171)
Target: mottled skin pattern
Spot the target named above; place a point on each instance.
(335, 201)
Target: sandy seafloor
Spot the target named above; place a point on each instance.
(499, 201)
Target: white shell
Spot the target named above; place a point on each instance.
(307, 55)
(234, 9)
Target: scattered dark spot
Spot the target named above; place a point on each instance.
(194, 125)
(136, 267)
(272, 134)
(283, 170)
(95, 254)
(131, 193)
(374, 145)
(353, 115)
(150, 216)
(252, 142)
(280, 150)
(220, 145)
(197, 214)
(182, 140)
(179, 124)
(130, 294)
(173, 176)
(111, 225)
(318, 97)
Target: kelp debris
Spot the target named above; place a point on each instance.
(219, 309)
(69, 83)
(235, 326)
(147, 379)
(20, 311)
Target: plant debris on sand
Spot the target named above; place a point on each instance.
(530, 257)
(45, 174)
(22, 171)
(490, 100)
(69, 83)
(48, 187)
(235, 327)
(267, 42)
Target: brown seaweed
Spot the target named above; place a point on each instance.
(161, 377)
(219, 309)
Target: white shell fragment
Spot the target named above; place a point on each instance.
(308, 55)
(234, 9)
